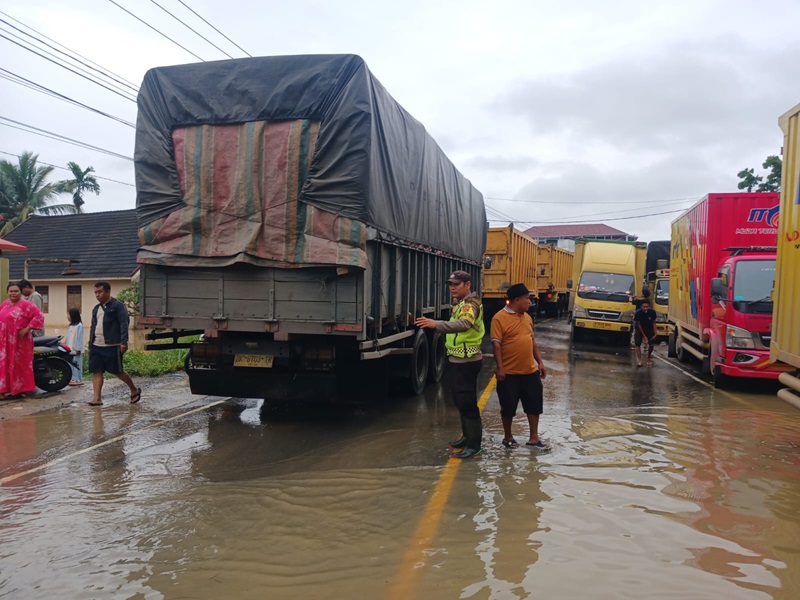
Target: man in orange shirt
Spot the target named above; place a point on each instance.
(520, 369)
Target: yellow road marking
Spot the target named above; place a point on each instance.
(409, 573)
(56, 461)
(734, 397)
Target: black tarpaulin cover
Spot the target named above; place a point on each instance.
(372, 161)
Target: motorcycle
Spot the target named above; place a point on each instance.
(52, 363)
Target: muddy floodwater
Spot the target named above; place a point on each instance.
(657, 486)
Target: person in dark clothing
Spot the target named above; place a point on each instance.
(644, 323)
(108, 341)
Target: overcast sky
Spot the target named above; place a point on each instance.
(584, 112)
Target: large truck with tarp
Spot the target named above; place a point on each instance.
(722, 269)
(605, 276)
(656, 280)
(295, 215)
(510, 258)
(785, 343)
(553, 270)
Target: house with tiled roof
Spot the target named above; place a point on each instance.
(67, 254)
(565, 235)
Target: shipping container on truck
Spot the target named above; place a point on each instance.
(510, 258)
(785, 346)
(553, 269)
(722, 269)
(605, 276)
(657, 281)
(300, 219)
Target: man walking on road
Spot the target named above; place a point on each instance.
(520, 369)
(463, 335)
(108, 341)
(644, 323)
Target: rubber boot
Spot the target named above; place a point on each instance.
(460, 442)
(473, 430)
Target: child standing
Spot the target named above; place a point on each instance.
(75, 342)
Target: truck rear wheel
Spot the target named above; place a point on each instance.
(438, 357)
(418, 368)
(671, 350)
(680, 351)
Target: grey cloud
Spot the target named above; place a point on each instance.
(707, 94)
(501, 163)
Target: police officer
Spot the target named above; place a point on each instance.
(463, 335)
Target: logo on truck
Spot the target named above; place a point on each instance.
(768, 216)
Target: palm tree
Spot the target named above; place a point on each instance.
(82, 182)
(25, 191)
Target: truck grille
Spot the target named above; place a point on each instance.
(605, 315)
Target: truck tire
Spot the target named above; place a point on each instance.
(418, 367)
(682, 355)
(438, 357)
(721, 382)
(577, 334)
(671, 350)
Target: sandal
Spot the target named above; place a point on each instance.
(511, 444)
(649, 363)
(137, 396)
(540, 445)
(93, 404)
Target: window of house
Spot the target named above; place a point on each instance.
(74, 297)
(44, 290)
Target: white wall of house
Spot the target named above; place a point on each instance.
(55, 318)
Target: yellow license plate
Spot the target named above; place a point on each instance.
(253, 360)
(604, 325)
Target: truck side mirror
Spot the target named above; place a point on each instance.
(719, 291)
(569, 284)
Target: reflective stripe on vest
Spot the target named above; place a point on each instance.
(465, 344)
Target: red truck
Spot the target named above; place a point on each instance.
(722, 271)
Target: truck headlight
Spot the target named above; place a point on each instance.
(661, 318)
(579, 312)
(626, 317)
(736, 337)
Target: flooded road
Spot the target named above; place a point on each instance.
(657, 486)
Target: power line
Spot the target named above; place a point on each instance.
(45, 90)
(66, 169)
(60, 138)
(156, 30)
(215, 29)
(104, 71)
(63, 66)
(615, 212)
(590, 201)
(58, 60)
(669, 212)
(190, 28)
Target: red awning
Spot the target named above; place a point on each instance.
(6, 245)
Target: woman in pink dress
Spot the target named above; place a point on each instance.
(17, 318)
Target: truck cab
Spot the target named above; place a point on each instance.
(658, 282)
(606, 274)
(741, 317)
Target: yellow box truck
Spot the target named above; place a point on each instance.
(553, 270)
(605, 275)
(510, 258)
(785, 343)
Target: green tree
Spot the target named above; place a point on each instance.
(772, 183)
(81, 183)
(757, 183)
(749, 180)
(27, 191)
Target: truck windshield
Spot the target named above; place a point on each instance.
(662, 292)
(605, 286)
(753, 280)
